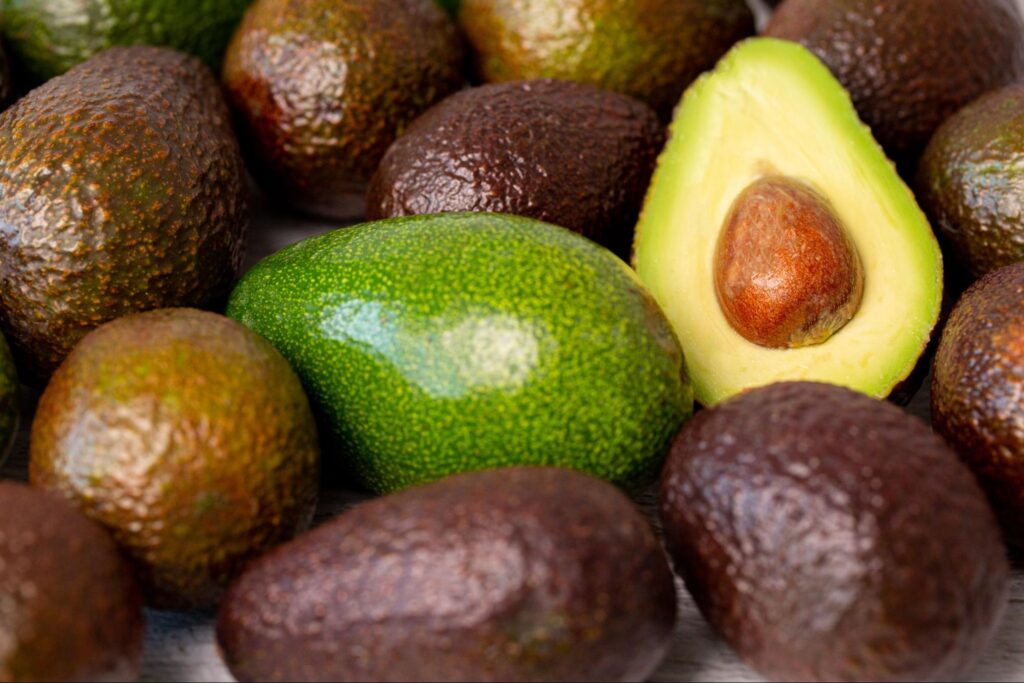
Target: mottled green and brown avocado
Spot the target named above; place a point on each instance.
(70, 609)
(518, 574)
(566, 153)
(122, 189)
(650, 49)
(321, 88)
(909, 64)
(187, 436)
(830, 536)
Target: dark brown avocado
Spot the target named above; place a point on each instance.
(830, 536)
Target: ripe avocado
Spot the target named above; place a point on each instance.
(70, 608)
(507, 575)
(566, 153)
(829, 536)
(440, 344)
(321, 89)
(768, 158)
(910, 64)
(122, 189)
(189, 438)
(47, 38)
(650, 49)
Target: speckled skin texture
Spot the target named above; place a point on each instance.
(48, 38)
(506, 575)
(189, 438)
(650, 49)
(321, 89)
(122, 189)
(70, 609)
(976, 389)
(971, 183)
(829, 536)
(440, 344)
(569, 154)
(909, 64)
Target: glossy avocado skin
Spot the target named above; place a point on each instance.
(122, 189)
(70, 609)
(439, 344)
(189, 438)
(649, 49)
(829, 536)
(971, 183)
(561, 152)
(48, 38)
(517, 574)
(978, 377)
(321, 88)
(909, 64)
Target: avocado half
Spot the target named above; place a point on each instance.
(772, 109)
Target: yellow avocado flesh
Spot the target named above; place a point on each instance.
(772, 108)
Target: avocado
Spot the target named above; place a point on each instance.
(561, 152)
(911, 64)
(649, 49)
(538, 574)
(829, 536)
(321, 88)
(433, 345)
(122, 189)
(47, 38)
(189, 438)
(778, 238)
(70, 608)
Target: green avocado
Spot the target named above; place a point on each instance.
(48, 38)
(769, 174)
(439, 344)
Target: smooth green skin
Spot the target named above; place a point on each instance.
(441, 344)
(9, 407)
(48, 37)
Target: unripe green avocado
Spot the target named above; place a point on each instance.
(440, 344)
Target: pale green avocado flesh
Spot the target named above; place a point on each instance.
(772, 108)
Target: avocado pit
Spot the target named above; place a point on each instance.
(786, 273)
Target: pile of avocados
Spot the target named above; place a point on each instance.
(582, 252)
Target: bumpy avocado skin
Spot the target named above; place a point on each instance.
(976, 387)
(909, 64)
(561, 152)
(439, 344)
(518, 574)
(321, 88)
(189, 438)
(122, 189)
(829, 536)
(70, 609)
(971, 183)
(48, 38)
(650, 49)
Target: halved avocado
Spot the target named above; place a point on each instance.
(772, 116)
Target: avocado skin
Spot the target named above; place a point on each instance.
(321, 88)
(909, 64)
(122, 189)
(434, 345)
(829, 536)
(649, 49)
(517, 574)
(561, 152)
(189, 438)
(47, 38)
(69, 606)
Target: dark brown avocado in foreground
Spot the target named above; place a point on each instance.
(70, 609)
(565, 153)
(518, 574)
(830, 536)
